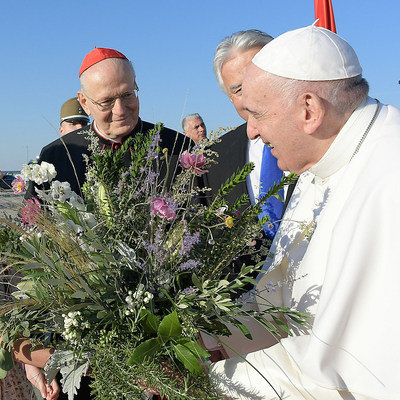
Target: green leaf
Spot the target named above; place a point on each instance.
(268, 325)
(6, 360)
(150, 322)
(188, 359)
(78, 295)
(242, 328)
(194, 347)
(32, 266)
(71, 377)
(145, 350)
(223, 283)
(170, 327)
(55, 282)
(282, 325)
(102, 314)
(196, 282)
(215, 326)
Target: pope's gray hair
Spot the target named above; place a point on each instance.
(345, 95)
(190, 116)
(114, 60)
(240, 41)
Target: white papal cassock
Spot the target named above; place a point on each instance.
(344, 271)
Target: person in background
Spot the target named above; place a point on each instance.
(194, 127)
(336, 249)
(72, 116)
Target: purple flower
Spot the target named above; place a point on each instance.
(193, 162)
(164, 208)
(188, 242)
(152, 153)
(18, 185)
(190, 290)
(189, 265)
(30, 213)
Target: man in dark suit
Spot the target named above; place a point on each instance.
(232, 57)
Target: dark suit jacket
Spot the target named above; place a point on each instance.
(232, 155)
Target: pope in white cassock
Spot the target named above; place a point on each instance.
(336, 249)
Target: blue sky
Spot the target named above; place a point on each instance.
(171, 44)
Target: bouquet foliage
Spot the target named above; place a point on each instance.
(121, 281)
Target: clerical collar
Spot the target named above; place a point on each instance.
(138, 128)
(97, 130)
(342, 148)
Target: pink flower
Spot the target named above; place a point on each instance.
(164, 208)
(193, 162)
(30, 213)
(18, 185)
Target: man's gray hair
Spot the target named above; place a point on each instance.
(190, 116)
(239, 41)
(345, 95)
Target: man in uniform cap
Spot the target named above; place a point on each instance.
(109, 93)
(335, 250)
(72, 116)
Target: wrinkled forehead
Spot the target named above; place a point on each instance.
(252, 79)
(195, 122)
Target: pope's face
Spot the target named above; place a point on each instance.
(232, 74)
(109, 79)
(274, 121)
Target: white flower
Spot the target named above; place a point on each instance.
(26, 172)
(38, 175)
(49, 171)
(77, 202)
(221, 210)
(60, 191)
(44, 172)
(147, 297)
(139, 291)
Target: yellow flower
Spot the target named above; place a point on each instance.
(229, 222)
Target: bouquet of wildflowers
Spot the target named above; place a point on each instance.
(122, 281)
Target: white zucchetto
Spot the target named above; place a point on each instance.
(309, 54)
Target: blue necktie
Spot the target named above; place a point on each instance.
(270, 174)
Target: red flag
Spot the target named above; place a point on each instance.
(324, 12)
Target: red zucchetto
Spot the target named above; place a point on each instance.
(96, 55)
